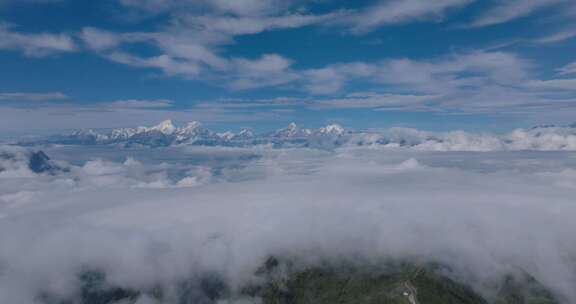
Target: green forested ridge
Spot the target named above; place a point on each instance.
(402, 283)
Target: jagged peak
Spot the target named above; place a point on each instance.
(84, 132)
(292, 130)
(193, 125)
(332, 129)
(194, 128)
(245, 131)
(166, 127)
(226, 135)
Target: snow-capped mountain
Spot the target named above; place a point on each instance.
(547, 137)
(333, 129)
(166, 127)
(291, 131)
(166, 133)
(193, 130)
(244, 134)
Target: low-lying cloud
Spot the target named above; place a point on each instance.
(182, 212)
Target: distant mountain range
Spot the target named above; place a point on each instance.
(165, 134)
(194, 133)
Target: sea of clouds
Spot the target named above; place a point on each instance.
(149, 217)
(546, 138)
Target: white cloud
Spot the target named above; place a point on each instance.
(508, 10)
(249, 7)
(188, 47)
(485, 216)
(533, 139)
(558, 37)
(568, 69)
(235, 73)
(561, 84)
(100, 40)
(190, 44)
(486, 82)
(141, 103)
(436, 76)
(33, 44)
(398, 12)
(375, 100)
(169, 65)
(235, 7)
(268, 70)
(325, 80)
(27, 96)
(253, 25)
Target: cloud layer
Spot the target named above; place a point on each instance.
(484, 216)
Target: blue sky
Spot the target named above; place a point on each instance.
(430, 64)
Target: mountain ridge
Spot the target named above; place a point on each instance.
(546, 137)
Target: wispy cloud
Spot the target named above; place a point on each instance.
(376, 101)
(560, 84)
(268, 70)
(430, 76)
(5, 3)
(27, 96)
(508, 10)
(398, 12)
(234, 7)
(190, 46)
(254, 25)
(169, 65)
(568, 69)
(35, 44)
(141, 103)
(558, 37)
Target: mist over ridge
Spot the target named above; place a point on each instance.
(150, 216)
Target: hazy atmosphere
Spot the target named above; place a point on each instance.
(287, 152)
